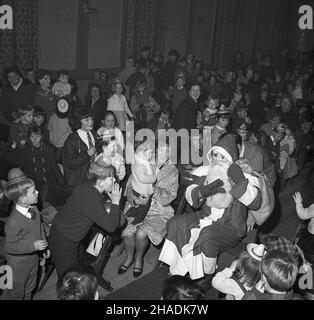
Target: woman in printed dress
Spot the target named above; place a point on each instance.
(153, 227)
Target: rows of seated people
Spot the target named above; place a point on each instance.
(54, 137)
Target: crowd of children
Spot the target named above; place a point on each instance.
(54, 138)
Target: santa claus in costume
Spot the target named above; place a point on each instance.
(222, 193)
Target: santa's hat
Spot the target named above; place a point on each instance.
(256, 251)
(227, 147)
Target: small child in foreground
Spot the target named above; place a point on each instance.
(181, 288)
(243, 274)
(24, 237)
(279, 273)
(78, 283)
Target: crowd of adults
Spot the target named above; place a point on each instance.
(257, 115)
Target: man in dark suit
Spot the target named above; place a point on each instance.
(186, 114)
(288, 115)
(273, 147)
(305, 141)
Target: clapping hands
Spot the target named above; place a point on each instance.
(115, 193)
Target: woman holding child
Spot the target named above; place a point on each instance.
(151, 226)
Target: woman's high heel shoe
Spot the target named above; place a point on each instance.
(123, 268)
(137, 271)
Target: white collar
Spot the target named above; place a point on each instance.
(17, 87)
(23, 211)
(219, 127)
(242, 150)
(80, 131)
(84, 137)
(273, 140)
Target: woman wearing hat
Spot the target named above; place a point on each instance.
(80, 148)
(93, 202)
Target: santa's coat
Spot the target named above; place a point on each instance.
(194, 239)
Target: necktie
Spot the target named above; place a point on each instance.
(90, 140)
(33, 213)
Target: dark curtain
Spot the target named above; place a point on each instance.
(280, 27)
(226, 32)
(145, 25)
(20, 45)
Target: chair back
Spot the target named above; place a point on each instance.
(55, 195)
(185, 177)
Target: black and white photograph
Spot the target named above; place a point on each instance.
(154, 151)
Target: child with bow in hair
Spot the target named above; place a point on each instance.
(242, 275)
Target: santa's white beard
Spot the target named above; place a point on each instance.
(218, 170)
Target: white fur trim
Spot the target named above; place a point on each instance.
(210, 264)
(188, 262)
(188, 194)
(170, 255)
(201, 171)
(249, 195)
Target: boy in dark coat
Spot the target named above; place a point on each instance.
(24, 238)
(39, 160)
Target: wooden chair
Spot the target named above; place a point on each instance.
(55, 195)
(49, 268)
(98, 266)
(101, 261)
(185, 181)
